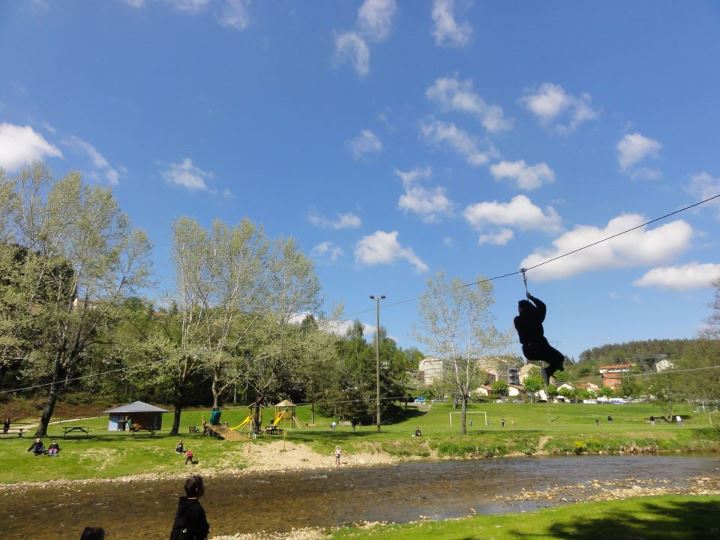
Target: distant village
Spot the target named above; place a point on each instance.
(515, 374)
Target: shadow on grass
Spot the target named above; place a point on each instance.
(663, 520)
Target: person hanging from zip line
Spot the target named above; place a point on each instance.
(528, 323)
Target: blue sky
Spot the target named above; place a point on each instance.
(397, 139)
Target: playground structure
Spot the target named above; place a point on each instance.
(285, 412)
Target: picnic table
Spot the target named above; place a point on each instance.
(13, 431)
(136, 429)
(273, 430)
(71, 429)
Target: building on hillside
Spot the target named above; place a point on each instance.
(590, 387)
(527, 370)
(430, 369)
(515, 390)
(481, 391)
(663, 365)
(612, 374)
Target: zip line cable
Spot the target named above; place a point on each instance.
(494, 278)
(553, 259)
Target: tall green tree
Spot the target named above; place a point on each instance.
(68, 224)
(458, 327)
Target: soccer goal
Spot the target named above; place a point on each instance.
(469, 413)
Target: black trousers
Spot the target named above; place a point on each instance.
(542, 350)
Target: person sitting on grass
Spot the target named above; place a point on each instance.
(418, 433)
(37, 447)
(189, 457)
(54, 449)
(179, 447)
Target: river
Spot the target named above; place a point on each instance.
(320, 498)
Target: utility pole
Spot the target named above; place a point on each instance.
(377, 299)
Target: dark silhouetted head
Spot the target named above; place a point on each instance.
(93, 533)
(524, 305)
(194, 486)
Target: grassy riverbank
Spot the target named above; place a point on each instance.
(530, 429)
(669, 517)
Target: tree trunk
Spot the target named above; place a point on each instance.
(216, 394)
(178, 411)
(256, 415)
(48, 409)
(53, 393)
(463, 415)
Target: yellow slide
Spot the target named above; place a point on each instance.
(244, 423)
(277, 419)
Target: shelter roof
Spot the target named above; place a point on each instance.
(136, 407)
(285, 403)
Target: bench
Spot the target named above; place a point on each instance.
(12, 431)
(135, 430)
(71, 429)
(193, 429)
(272, 430)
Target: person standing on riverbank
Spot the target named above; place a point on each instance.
(338, 454)
(528, 323)
(190, 520)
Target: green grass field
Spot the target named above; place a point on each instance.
(558, 428)
(659, 518)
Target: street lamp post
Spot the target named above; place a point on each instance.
(377, 299)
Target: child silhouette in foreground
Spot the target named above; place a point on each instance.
(528, 323)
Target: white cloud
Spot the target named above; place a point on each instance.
(100, 166)
(229, 13)
(365, 143)
(703, 186)
(693, 275)
(639, 247)
(343, 221)
(525, 176)
(375, 18)
(498, 238)
(439, 133)
(383, 248)
(327, 249)
(189, 6)
(633, 148)
(448, 241)
(408, 177)
(20, 145)
(234, 14)
(519, 213)
(447, 31)
(555, 107)
(187, 175)
(350, 47)
(454, 95)
(431, 204)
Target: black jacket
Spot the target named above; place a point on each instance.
(529, 323)
(190, 520)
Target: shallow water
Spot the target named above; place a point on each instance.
(282, 501)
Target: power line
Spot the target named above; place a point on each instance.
(553, 259)
(487, 280)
